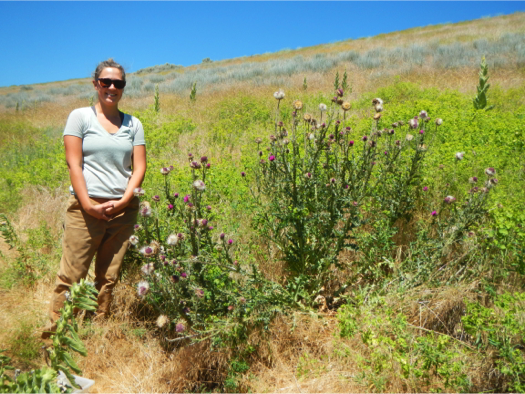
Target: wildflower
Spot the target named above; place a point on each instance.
(162, 320)
(271, 158)
(473, 179)
(164, 171)
(202, 222)
(172, 240)
(308, 175)
(273, 138)
(208, 208)
(365, 138)
(332, 180)
(230, 308)
(187, 198)
(230, 241)
(145, 210)
(377, 101)
(210, 228)
(204, 159)
(347, 186)
(421, 131)
(156, 198)
(322, 107)
(475, 189)
(222, 236)
(148, 269)
(137, 227)
(297, 104)
(490, 171)
(208, 165)
(409, 137)
(155, 247)
(142, 288)
(425, 188)
(199, 185)
(372, 143)
(434, 213)
(307, 117)
(280, 124)
(449, 199)
(398, 143)
(171, 168)
(391, 131)
(176, 195)
(170, 207)
(484, 189)
(199, 293)
(378, 108)
(195, 165)
(439, 122)
(386, 153)
(394, 125)
(331, 136)
(377, 116)
(311, 136)
(355, 203)
(133, 240)
(180, 327)
(340, 92)
(413, 123)
(138, 191)
(351, 143)
(258, 140)
(346, 106)
(459, 155)
(279, 95)
(494, 181)
(186, 310)
(423, 114)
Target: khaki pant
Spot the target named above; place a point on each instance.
(84, 236)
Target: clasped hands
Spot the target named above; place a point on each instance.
(106, 210)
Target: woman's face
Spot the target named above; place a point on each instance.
(109, 95)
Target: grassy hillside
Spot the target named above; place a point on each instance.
(426, 294)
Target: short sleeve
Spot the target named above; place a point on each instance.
(75, 124)
(138, 138)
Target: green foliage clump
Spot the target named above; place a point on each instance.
(480, 101)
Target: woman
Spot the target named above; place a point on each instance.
(106, 157)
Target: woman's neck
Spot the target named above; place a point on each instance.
(108, 111)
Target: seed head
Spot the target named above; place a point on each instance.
(490, 171)
(459, 155)
(162, 320)
(377, 101)
(377, 116)
(413, 123)
(346, 106)
(340, 92)
(142, 288)
(199, 185)
(423, 114)
(378, 108)
(172, 240)
(164, 171)
(145, 210)
(409, 137)
(322, 107)
(180, 327)
(138, 191)
(439, 121)
(279, 95)
(449, 199)
(297, 104)
(307, 117)
(134, 240)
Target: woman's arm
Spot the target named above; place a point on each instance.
(75, 161)
(139, 170)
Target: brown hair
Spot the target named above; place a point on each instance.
(108, 63)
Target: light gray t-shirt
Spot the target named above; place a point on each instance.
(107, 157)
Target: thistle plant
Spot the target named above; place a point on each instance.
(319, 184)
(190, 273)
(305, 84)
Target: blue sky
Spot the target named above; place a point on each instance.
(52, 41)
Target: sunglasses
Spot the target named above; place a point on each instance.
(107, 82)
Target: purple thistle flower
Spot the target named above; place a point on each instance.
(348, 128)
(421, 131)
(210, 228)
(230, 241)
(187, 198)
(243, 174)
(351, 143)
(365, 138)
(170, 207)
(490, 171)
(195, 165)
(271, 158)
(137, 227)
(449, 199)
(425, 188)
(332, 136)
(204, 159)
(186, 310)
(190, 155)
(176, 195)
(208, 165)
(347, 186)
(180, 327)
(222, 236)
(355, 203)
(156, 198)
(174, 278)
(434, 213)
(171, 168)
(473, 179)
(386, 153)
(184, 275)
(208, 207)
